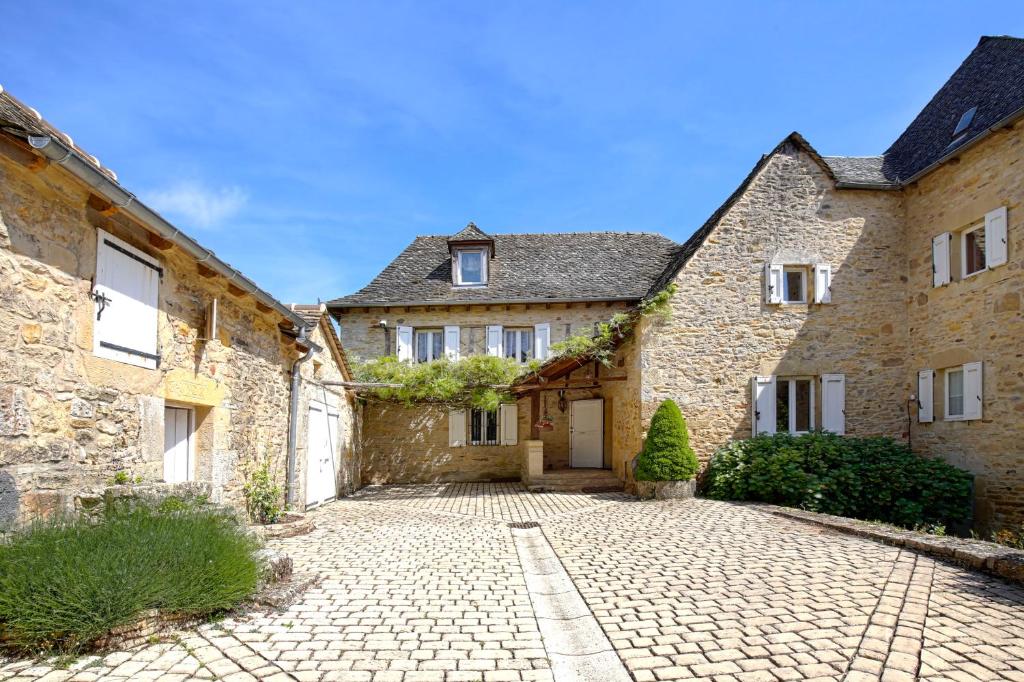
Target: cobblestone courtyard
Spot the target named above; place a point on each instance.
(426, 583)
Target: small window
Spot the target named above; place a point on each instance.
(794, 285)
(965, 121)
(429, 345)
(470, 267)
(483, 427)
(794, 409)
(955, 393)
(519, 344)
(972, 249)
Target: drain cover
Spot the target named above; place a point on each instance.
(524, 524)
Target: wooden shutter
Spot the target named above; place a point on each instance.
(451, 342)
(762, 404)
(822, 283)
(456, 428)
(995, 237)
(127, 289)
(972, 390)
(940, 259)
(772, 283)
(405, 349)
(494, 340)
(542, 340)
(508, 424)
(833, 403)
(925, 396)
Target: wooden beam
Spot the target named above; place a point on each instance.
(204, 271)
(158, 242)
(534, 415)
(263, 307)
(100, 205)
(237, 292)
(20, 153)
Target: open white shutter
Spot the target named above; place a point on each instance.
(763, 404)
(456, 428)
(451, 342)
(972, 390)
(940, 259)
(822, 283)
(509, 423)
(995, 237)
(494, 340)
(833, 403)
(405, 344)
(542, 340)
(925, 393)
(772, 283)
(125, 322)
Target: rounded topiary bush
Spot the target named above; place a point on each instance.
(667, 455)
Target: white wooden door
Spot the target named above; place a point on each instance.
(323, 436)
(177, 444)
(586, 439)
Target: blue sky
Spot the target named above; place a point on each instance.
(307, 143)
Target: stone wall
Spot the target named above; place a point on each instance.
(973, 319)
(364, 339)
(69, 421)
(721, 334)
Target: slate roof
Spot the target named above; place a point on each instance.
(863, 171)
(571, 266)
(991, 79)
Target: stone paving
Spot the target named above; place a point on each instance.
(424, 583)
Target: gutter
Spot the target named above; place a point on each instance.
(337, 305)
(293, 415)
(1002, 123)
(60, 153)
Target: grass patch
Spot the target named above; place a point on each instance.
(66, 582)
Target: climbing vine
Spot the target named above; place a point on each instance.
(484, 381)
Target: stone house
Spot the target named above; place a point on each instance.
(131, 352)
(863, 295)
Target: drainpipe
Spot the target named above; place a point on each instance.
(293, 416)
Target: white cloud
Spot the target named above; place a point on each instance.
(197, 205)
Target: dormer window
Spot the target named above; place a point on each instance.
(471, 250)
(470, 267)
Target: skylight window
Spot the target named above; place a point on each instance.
(965, 121)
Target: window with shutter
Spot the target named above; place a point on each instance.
(542, 340)
(833, 403)
(925, 396)
(126, 295)
(822, 283)
(773, 284)
(763, 405)
(404, 344)
(483, 427)
(452, 338)
(494, 340)
(429, 345)
(972, 390)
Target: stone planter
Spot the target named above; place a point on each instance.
(290, 525)
(666, 490)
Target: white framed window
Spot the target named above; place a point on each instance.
(471, 267)
(955, 393)
(794, 404)
(963, 392)
(483, 427)
(519, 344)
(972, 250)
(794, 284)
(429, 345)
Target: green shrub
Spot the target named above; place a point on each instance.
(667, 455)
(262, 496)
(877, 479)
(65, 582)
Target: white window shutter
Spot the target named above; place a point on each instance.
(542, 340)
(452, 338)
(925, 394)
(763, 405)
(940, 259)
(833, 403)
(822, 283)
(772, 283)
(972, 390)
(405, 352)
(995, 237)
(125, 320)
(456, 428)
(509, 423)
(494, 340)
